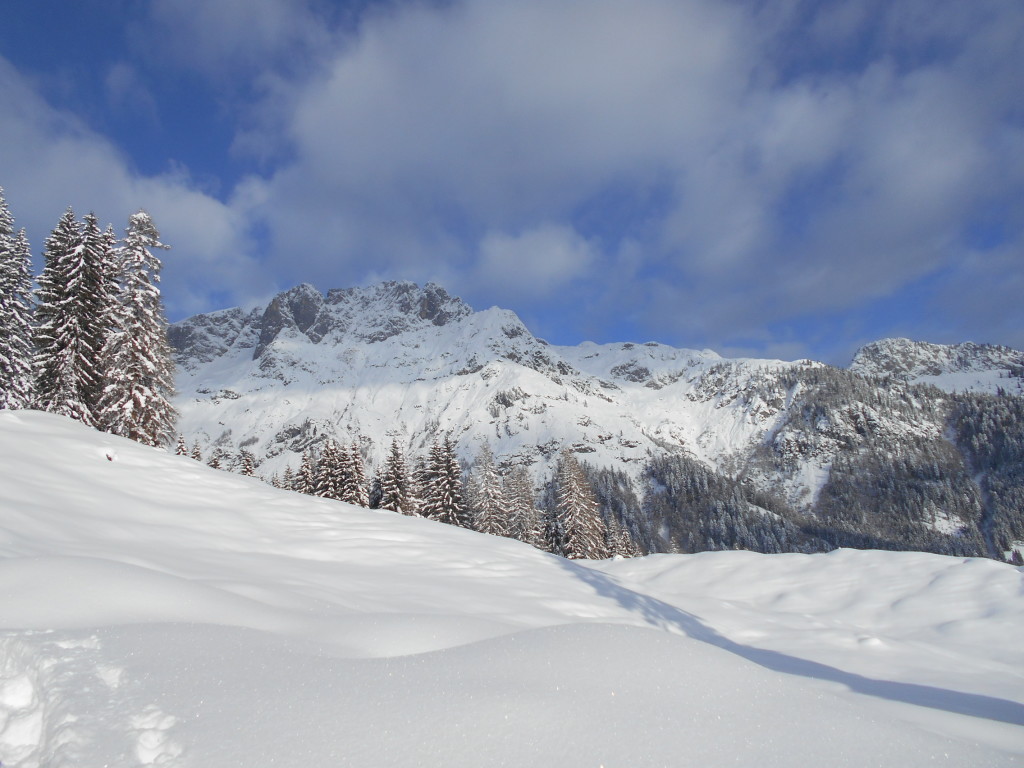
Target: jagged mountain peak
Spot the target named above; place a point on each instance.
(366, 314)
(430, 303)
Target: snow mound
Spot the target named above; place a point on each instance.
(155, 612)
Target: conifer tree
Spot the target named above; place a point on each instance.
(216, 459)
(16, 379)
(197, 452)
(64, 361)
(287, 478)
(618, 540)
(328, 472)
(353, 477)
(490, 507)
(100, 272)
(524, 517)
(578, 530)
(395, 484)
(248, 463)
(181, 449)
(136, 399)
(305, 478)
(443, 498)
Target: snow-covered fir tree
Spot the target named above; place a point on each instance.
(247, 463)
(181, 449)
(489, 506)
(396, 491)
(64, 361)
(287, 480)
(618, 541)
(577, 531)
(329, 472)
(197, 452)
(353, 488)
(442, 493)
(524, 517)
(16, 378)
(99, 300)
(305, 478)
(137, 361)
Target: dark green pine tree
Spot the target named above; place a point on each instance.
(443, 498)
(16, 379)
(137, 363)
(396, 491)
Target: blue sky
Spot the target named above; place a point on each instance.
(767, 177)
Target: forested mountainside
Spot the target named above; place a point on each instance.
(915, 446)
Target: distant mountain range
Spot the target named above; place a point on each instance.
(408, 362)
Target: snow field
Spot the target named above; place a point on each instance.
(155, 612)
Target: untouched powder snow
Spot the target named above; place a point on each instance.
(155, 612)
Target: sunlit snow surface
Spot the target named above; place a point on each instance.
(155, 612)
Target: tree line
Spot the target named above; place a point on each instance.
(90, 342)
(566, 518)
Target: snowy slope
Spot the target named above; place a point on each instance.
(156, 612)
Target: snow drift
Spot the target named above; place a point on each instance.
(157, 612)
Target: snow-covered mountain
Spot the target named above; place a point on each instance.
(966, 367)
(397, 361)
(156, 612)
(400, 361)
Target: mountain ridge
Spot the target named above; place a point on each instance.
(397, 361)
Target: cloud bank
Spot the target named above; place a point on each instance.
(736, 175)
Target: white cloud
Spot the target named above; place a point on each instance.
(222, 38)
(757, 161)
(441, 124)
(48, 160)
(534, 263)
